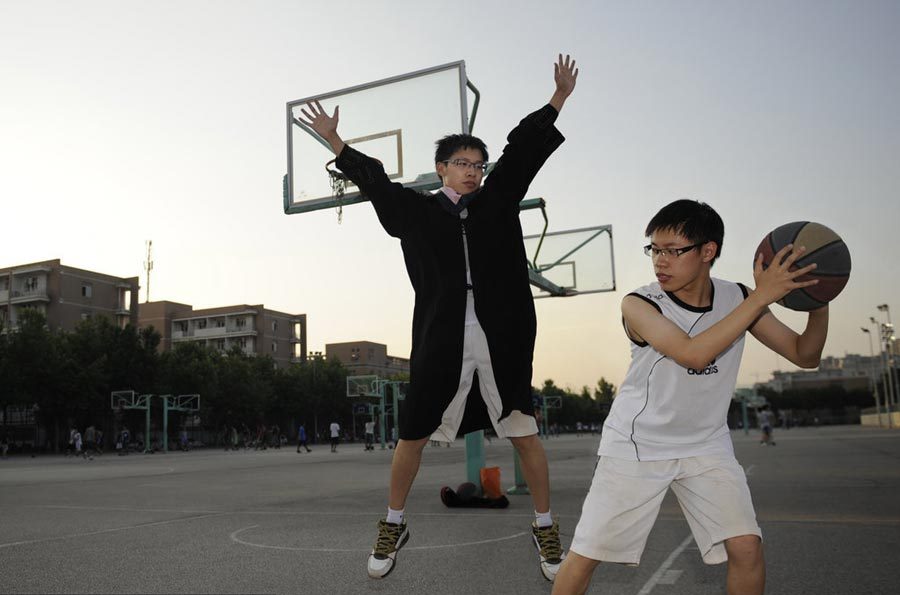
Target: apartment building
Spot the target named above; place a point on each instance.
(255, 330)
(852, 372)
(365, 357)
(66, 295)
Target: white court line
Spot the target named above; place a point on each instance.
(101, 532)
(373, 513)
(749, 470)
(234, 537)
(661, 571)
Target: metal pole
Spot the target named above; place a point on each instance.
(474, 456)
(889, 362)
(744, 417)
(889, 344)
(147, 430)
(521, 487)
(381, 414)
(395, 391)
(165, 440)
(884, 375)
(872, 376)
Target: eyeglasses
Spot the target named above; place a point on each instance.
(466, 164)
(654, 252)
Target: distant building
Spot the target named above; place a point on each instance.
(66, 295)
(852, 372)
(365, 357)
(255, 330)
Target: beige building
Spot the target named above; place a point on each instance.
(364, 357)
(852, 372)
(255, 330)
(66, 295)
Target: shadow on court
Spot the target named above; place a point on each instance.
(281, 522)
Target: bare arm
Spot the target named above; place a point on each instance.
(773, 283)
(565, 74)
(803, 350)
(324, 125)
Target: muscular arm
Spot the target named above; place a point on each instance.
(773, 283)
(647, 324)
(803, 350)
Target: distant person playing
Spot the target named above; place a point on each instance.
(667, 425)
(335, 430)
(474, 314)
(765, 426)
(302, 438)
(370, 435)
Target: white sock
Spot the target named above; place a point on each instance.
(543, 519)
(394, 516)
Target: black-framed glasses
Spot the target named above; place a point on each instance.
(654, 252)
(466, 164)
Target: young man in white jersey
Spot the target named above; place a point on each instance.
(667, 426)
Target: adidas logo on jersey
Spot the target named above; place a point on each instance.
(712, 368)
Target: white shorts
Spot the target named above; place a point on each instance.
(623, 503)
(476, 356)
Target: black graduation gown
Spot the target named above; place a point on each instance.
(432, 242)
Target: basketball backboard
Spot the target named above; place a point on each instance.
(363, 386)
(395, 120)
(571, 262)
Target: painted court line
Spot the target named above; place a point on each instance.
(234, 537)
(663, 570)
(374, 513)
(103, 531)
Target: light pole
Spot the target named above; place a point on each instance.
(889, 338)
(314, 357)
(872, 374)
(884, 374)
(887, 331)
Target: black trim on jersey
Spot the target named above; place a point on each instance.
(625, 326)
(647, 394)
(712, 296)
(744, 290)
(646, 402)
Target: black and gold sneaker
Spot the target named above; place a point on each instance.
(546, 540)
(391, 537)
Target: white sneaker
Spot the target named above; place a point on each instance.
(546, 540)
(391, 537)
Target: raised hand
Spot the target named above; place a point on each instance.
(565, 74)
(778, 280)
(319, 120)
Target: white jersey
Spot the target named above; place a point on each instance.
(664, 410)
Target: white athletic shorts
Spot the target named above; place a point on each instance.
(476, 356)
(625, 496)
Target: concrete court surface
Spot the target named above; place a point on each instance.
(208, 521)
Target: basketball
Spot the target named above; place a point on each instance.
(825, 248)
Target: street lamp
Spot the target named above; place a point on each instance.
(872, 374)
(884, 376)
(888, 337)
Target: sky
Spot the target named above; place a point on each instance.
(124, 121)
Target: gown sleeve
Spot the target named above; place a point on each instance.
(528, 146)
(392, 201)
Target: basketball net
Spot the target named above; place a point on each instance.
(338, 186)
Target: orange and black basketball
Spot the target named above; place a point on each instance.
(823, 247)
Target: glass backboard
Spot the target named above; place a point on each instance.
(572, 262)
(396, 120)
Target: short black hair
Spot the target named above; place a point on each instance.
(695, 220)
(450, 144)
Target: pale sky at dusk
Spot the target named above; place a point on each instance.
(125, 121)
